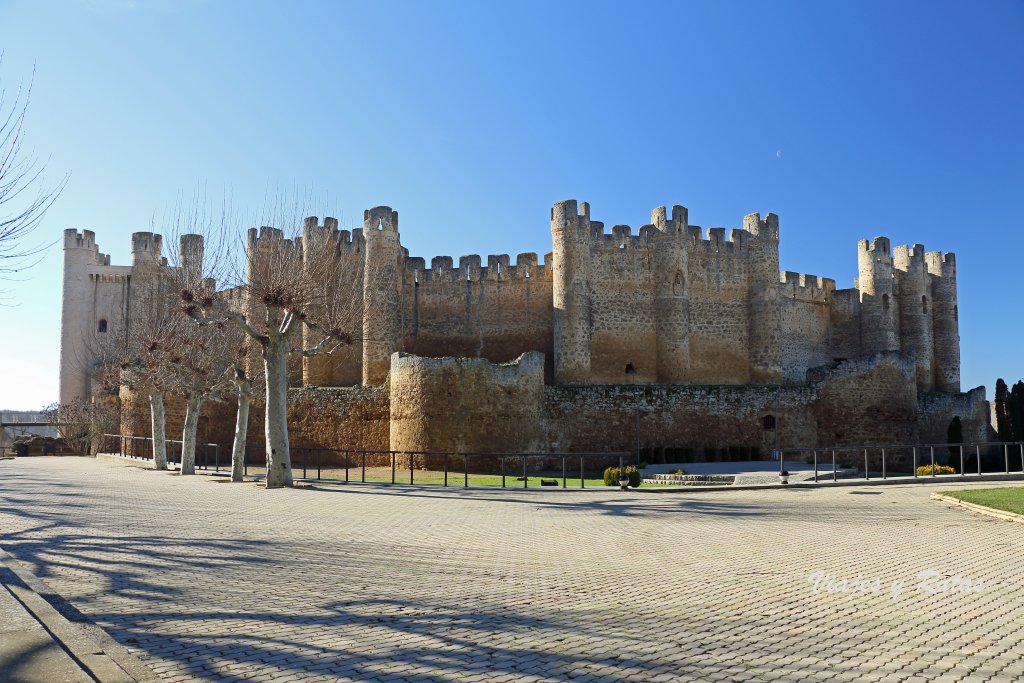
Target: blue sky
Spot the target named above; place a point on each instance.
(849, 120)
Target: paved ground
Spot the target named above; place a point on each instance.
(227, 582)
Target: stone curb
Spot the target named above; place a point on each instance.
(92, 649)
(980, 509)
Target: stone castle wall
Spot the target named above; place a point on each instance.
(693, 334)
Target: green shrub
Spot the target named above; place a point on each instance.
(677, 470)
(926, 470)
(611, 476)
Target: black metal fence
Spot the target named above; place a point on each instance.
(504, 470)
(882, 462)
(207, 454)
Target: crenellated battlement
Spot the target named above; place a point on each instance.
(380, 219)
(880, 247)
(939, 264)
(907, 257)
(802, 287)
(714, 241)
(470, 268)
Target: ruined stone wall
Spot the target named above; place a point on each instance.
(936, 410)
(867, 401)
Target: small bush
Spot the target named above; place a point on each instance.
(677, 470)
(926, 470)
(611, 476)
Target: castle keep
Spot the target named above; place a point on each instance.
(672, 337)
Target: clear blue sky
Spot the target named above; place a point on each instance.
(849, 120)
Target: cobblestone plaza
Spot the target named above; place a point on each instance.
(221, 582)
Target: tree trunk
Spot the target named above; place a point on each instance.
(279, 461)
(156, 403)
(188, 435)
(241, 428)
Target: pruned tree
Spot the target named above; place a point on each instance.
(282, 288)
(201, 371)
(152, 349)
(24, 194)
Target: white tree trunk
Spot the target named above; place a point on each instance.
(279, 461)
(159, 421)
(241, 428)
(188, 435)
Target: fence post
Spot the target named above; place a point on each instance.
(962, 459)
(525, 480)
(502, 458)
(363, 479)
(445, 469)
(1006, 456)
(815, 467)
(345, 455)
(915, 462)
(977, 453)
(883, 463)
(305, 461)
(835, 472)
(465, 471)
(216, 457)
(563, 471)
(410, 469)
(583, 482)
(933, 459)
(318, 464)
(867, 472)
(392, 467)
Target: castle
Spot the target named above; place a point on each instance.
(672, 337)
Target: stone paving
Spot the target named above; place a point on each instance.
(228, 582)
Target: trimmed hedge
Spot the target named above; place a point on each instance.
(611, 476)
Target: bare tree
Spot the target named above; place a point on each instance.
(283, 287)
(24, 195)
(203, 371)
(152, 350)
(81, 423)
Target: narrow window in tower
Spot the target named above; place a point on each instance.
(102, 327)
(924, 304)
(885, 302)
(677, 285)
(630, 370)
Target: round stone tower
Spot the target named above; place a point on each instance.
(672, 302)
(570, 237)
(382, 287)
(945, 320)
(915, 309)
(764, 315)
(879, 318)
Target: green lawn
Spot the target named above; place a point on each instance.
(1007, 499)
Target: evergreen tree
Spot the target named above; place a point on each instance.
(1004, 424)
(955, 435)
(1016, 411)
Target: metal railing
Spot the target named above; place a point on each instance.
(503, 470)
(974, 458)
(207, 454)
